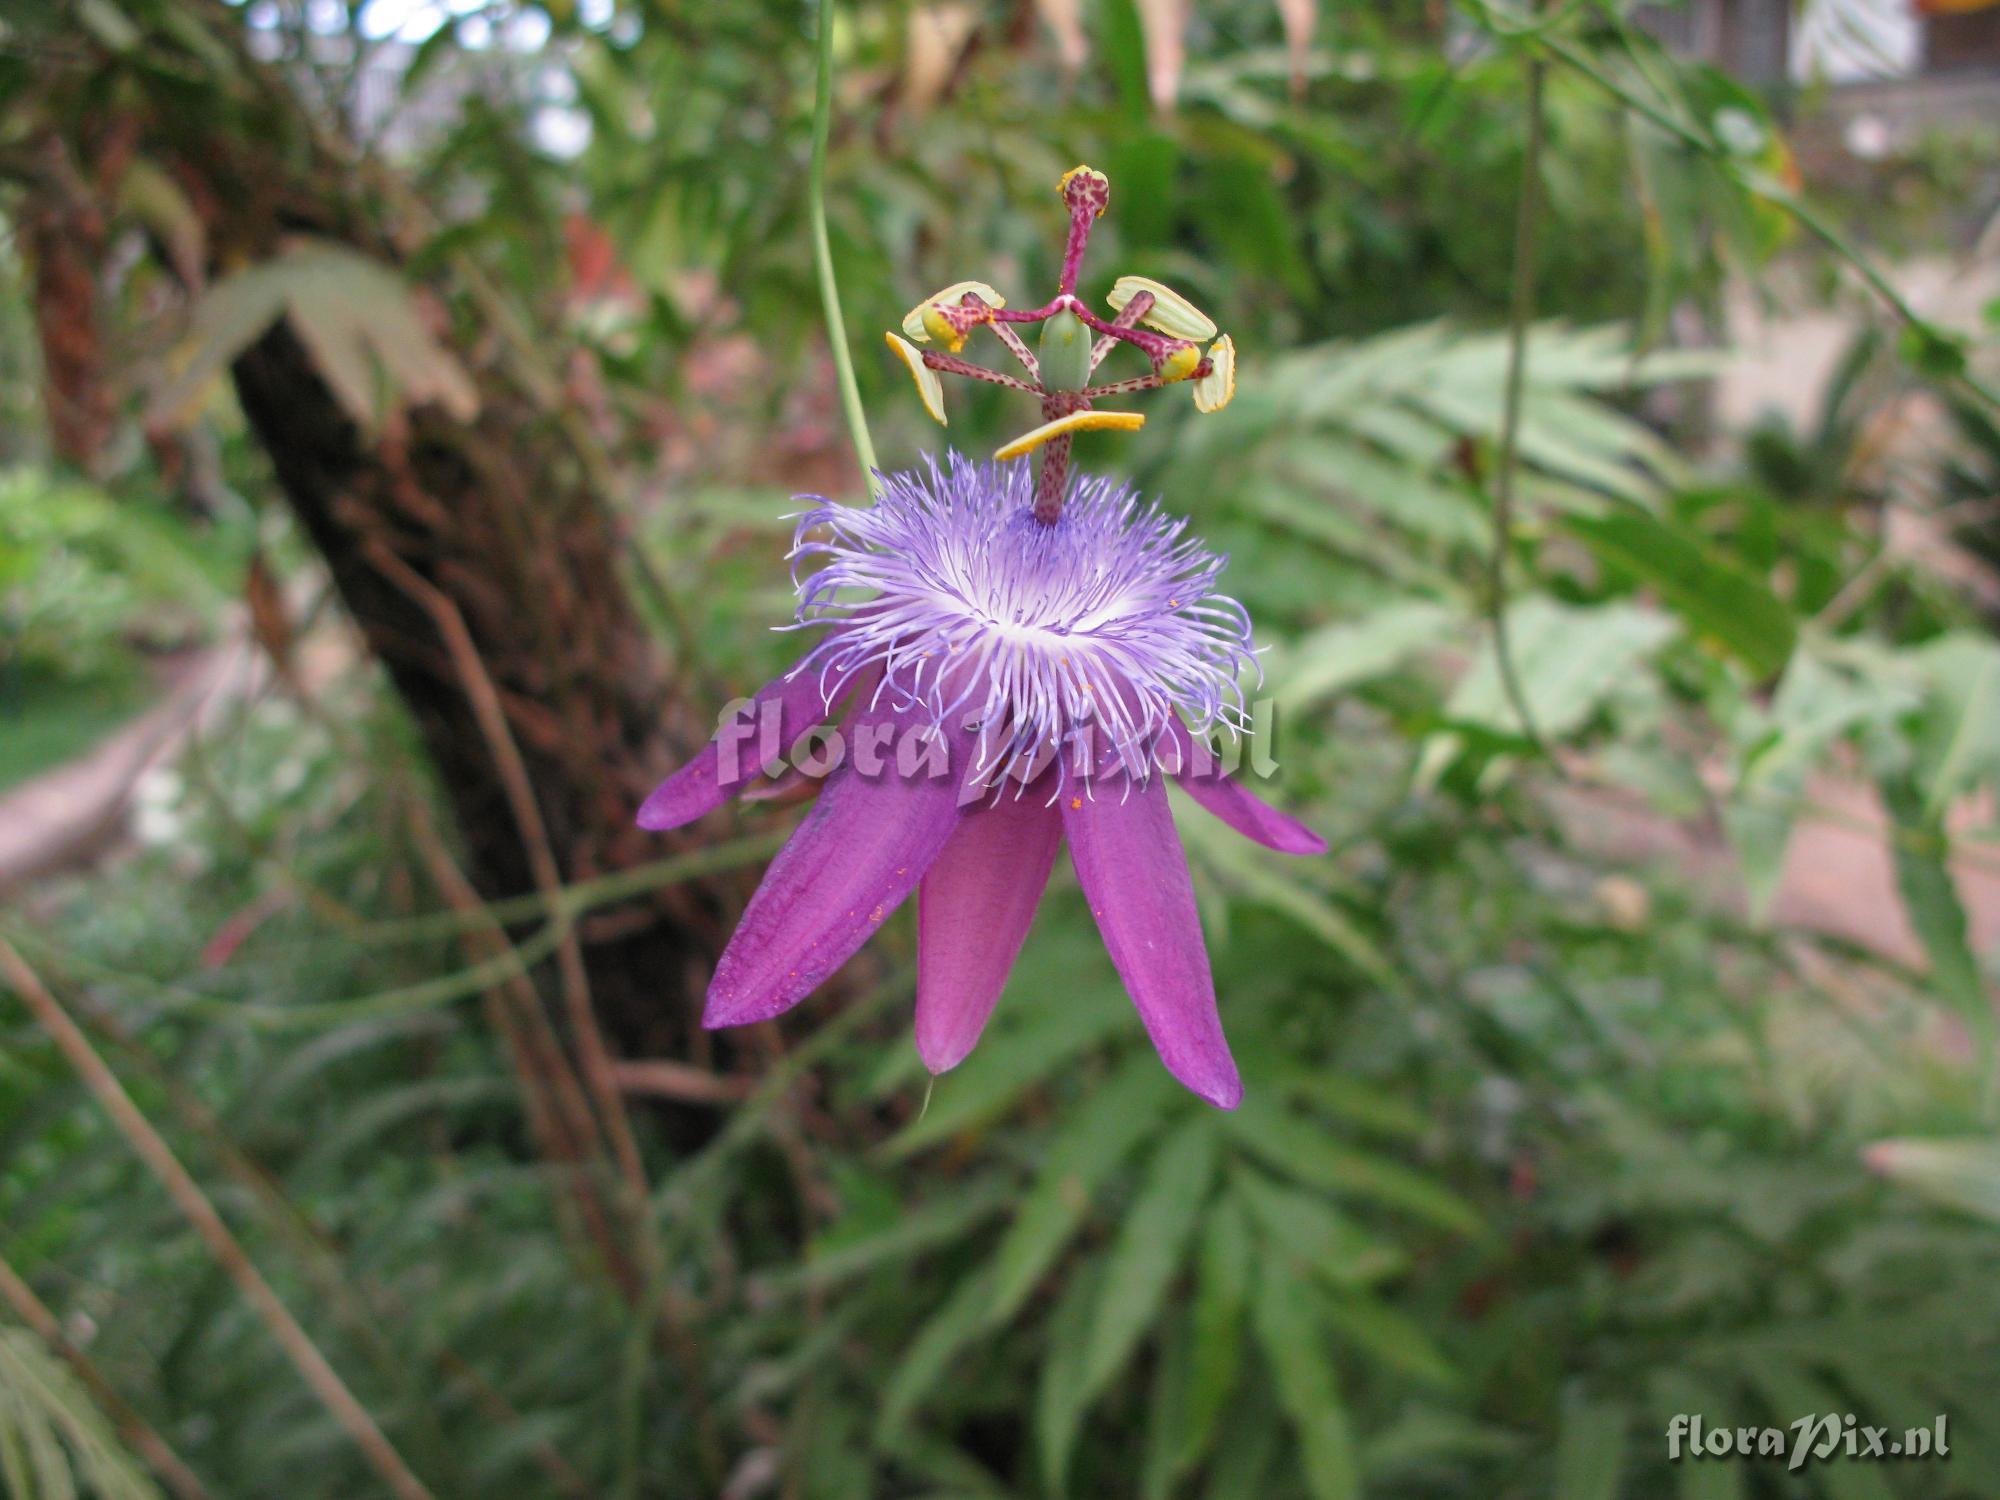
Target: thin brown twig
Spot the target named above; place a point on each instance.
(315, 1245)
(565, 1128)
(593, 1055)
(683, 1082)
(487, 708)
(133, 1429)
(230, 1256)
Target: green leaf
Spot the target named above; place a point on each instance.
(1247, 1449)
(1961, 1174)
(354, 315)
(1819, 701)
(1258, 877)
(1030, 1048)
(1150, 1247)
(1678, 1393)
(1933, 352)
(1224, 1264)
(1328, 661)
(1394, 1338)
(52, 1433)
(1711, 593)
(1317, 1237)
(1295, 1346)
(1590, 1449)
(1959, 741)
(1931, 898)
(1060, 1398)
(110, 25)
(1364, 1104)
(1790, 1393)
(1302, 1149)
(908, 1235)
(1167, 1414)
(930, 1353)
(1569, 660)
(1394, 490)
(1118, 1114)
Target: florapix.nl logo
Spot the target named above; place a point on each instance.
(1815, 1438)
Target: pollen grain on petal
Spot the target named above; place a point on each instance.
(1076, 421)
(929, 387)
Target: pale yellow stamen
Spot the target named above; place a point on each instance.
(938, 326)
(1171, 313)
(1213, 391)
(1076, 421)
(929, 387)
(914, 320)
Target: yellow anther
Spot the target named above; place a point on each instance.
(1171, 313)
(1076, 421)
(1213, 391)
(938, 326)
(1182, 363)
(929, 387)
(915, 321)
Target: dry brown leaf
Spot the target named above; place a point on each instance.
(1064, 18)
(1298, 17)
(1164, 22)
(355, 316)
(933, 43)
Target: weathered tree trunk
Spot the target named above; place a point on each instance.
(493, 520)
(62, 237)
(493, 515)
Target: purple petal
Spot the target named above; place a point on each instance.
(705, 783)
(973, 914)
(1228, 799)
(861, 850)
(1135, 876)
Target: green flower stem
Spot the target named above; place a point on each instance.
(829, 288)
(1520, 318)
(1803, 213)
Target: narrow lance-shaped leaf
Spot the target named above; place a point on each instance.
(1711, 593)
(1590, 1449)
(1961, 1174)
(1224, 1266)
(1931, 898)
(1296, 1347)
(1150, 1247)
(1116, 1116)
(1059, 1398)
(1301, 1149)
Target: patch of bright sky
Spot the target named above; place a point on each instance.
(1842, 41)
(520, 29)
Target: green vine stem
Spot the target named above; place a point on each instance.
(1804, 214)
(829, 287)
(1520, 317)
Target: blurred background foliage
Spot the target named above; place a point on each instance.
(1629, 1060)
